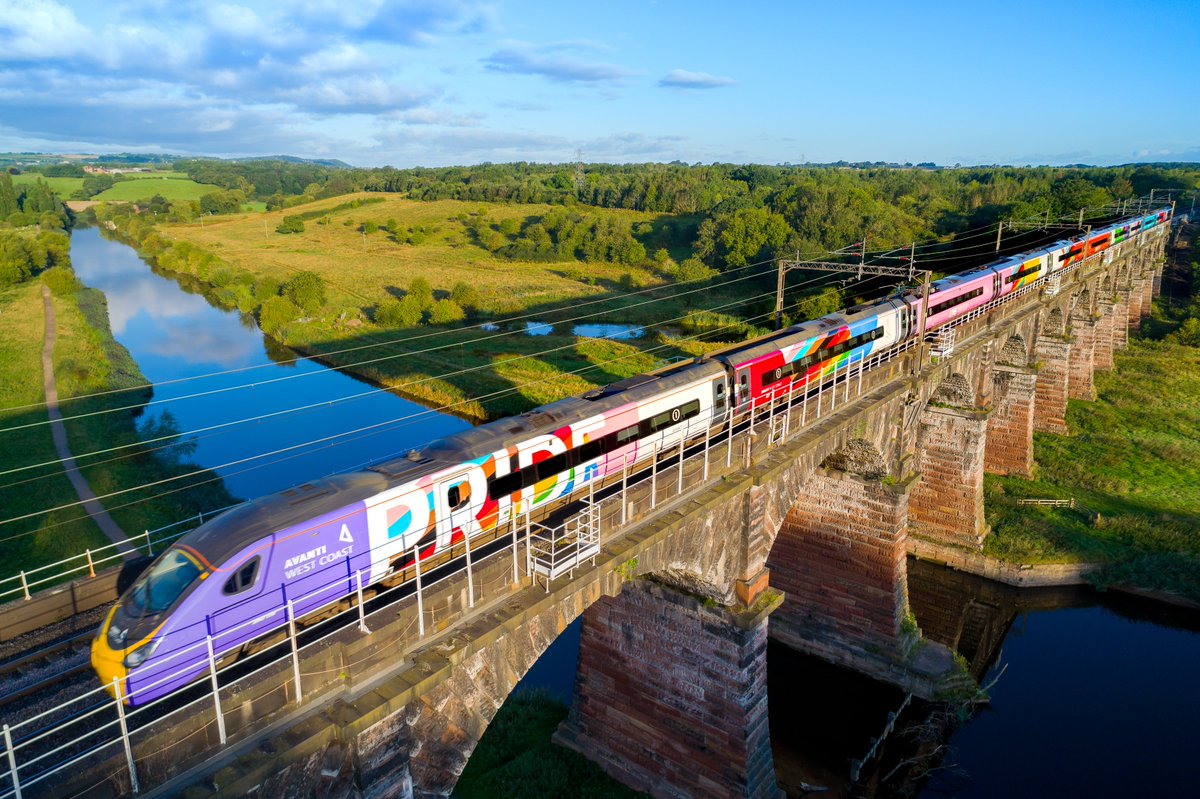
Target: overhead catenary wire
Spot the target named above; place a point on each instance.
(204, 430)
(363, 432)
(328, 438)
(322, 403)
(984, 230)
(176, 435)
(708, 285)
(395, 341)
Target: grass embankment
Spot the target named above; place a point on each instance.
(86, 360)
(439, 241)
(516, 760)
(1132, 464)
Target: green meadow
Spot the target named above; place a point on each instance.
(144, 186)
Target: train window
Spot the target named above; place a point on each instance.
(626, 436)
(243, 578)
(504, 485)
(457, 495)
(551, 467)
(955, 301)
(589, 451)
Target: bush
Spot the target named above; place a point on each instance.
(290, 224)
(275, 313)
(420, 289)
(61, 281)
(398, 313)
(306, 289)
(465, 295)
(693, 269)
(369, 227)
(221, 277)
(266, 288)
(445, 312)
(1188, 333)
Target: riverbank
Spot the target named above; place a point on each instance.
(87, 361)
(476, 374)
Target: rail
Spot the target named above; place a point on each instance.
(23, 584)
(96, 728)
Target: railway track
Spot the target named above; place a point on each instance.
(44, 670)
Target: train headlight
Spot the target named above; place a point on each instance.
(138, 656)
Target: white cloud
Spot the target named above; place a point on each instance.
(35, 30)
(684, 79)
(556, 62)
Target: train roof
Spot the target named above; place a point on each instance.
(235, 529)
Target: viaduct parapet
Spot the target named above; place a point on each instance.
(799, 532)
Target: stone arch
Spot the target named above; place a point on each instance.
(1082, 308)
(954, 390)
(860, 457)
(1015, 351)
(1106, 284)
(1053, 324)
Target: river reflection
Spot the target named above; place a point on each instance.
(1091, 695)
(177, 337)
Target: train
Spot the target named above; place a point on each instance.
(231, 583)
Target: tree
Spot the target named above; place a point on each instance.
(305, 289)
(818, 304)
(422, 293)
(275, 313)
(694, 270)
(16, 260)
(290, 224)
(445, 312)
(8, 196)
(398, 313)
(465, 295)
(61, 281)
(742, 237)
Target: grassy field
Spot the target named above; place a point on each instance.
(144, 186)
(33, 541)
(1132, 464)
(516, 760)
(490, 373)
(86, 360)
(362, 269)
(63, 187)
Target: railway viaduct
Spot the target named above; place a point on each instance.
(802, 538)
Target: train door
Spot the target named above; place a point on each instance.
(719, 405)
(742, 396)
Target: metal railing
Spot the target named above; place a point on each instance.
(90, 561)
(95, 726)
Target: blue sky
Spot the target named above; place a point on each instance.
(459, 82)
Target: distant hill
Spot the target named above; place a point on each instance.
(40, 159)
(291, 159)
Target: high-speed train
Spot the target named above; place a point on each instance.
(233, 577)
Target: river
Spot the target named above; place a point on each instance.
(186, 346)
(1093, 696)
